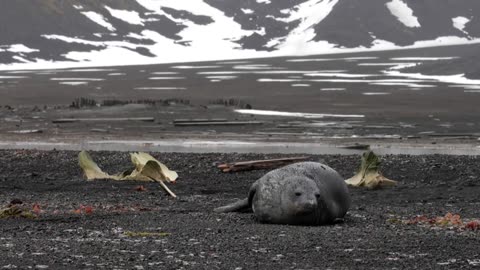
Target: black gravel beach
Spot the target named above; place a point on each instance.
(117, 225)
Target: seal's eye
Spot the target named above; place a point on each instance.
(317, 195)
(298, 194)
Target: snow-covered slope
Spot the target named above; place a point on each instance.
(73, 33)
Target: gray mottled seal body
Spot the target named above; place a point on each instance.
(307, 193)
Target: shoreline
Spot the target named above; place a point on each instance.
(345, 147)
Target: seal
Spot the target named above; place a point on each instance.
(305, 193)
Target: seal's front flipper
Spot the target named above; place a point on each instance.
(338, 221)
(239, 206)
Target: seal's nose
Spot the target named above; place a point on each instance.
(306, 207)
(310, 204)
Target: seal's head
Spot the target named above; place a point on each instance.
(301, 196)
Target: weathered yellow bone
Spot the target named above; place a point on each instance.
(147, 168)
(369, 174)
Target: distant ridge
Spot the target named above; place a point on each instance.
(68, 33)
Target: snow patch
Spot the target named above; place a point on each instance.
(222, 77)
(403, 12)
(131, 17)
(136, 36)
(20, 48)
(109, 55)
(298, 114)
(19, 72)
(247, 11)
(160, 88)
(17, 48)
(277, 80)
(466, 86)
(455, 79)
(400, 81)
(217, 37)
(422, 58)
(340, 75)
(12, 77)
(254, 67)
(195, 67)
(443, 41)
(73, 83)
(309, 14)
(360, 58)
(460, 23)
(332, 89)
(21, 59)
(383, 64)
(256, 72)
(411, 85)
(403, 66)
(375, 93)
(99, 19)
(76, 79)
(341, 80)
(264, 1)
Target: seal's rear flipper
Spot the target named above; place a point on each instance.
(239, 206)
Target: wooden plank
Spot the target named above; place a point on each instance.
(73, 120)
(356, 146)
(199, 120)
(229, 123)
(26, 131)
(259, 164)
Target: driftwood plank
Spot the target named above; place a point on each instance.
(219, 123)
(356, 146)
(199, 120)
(259, 164)
(73, 120)
(26, 131)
